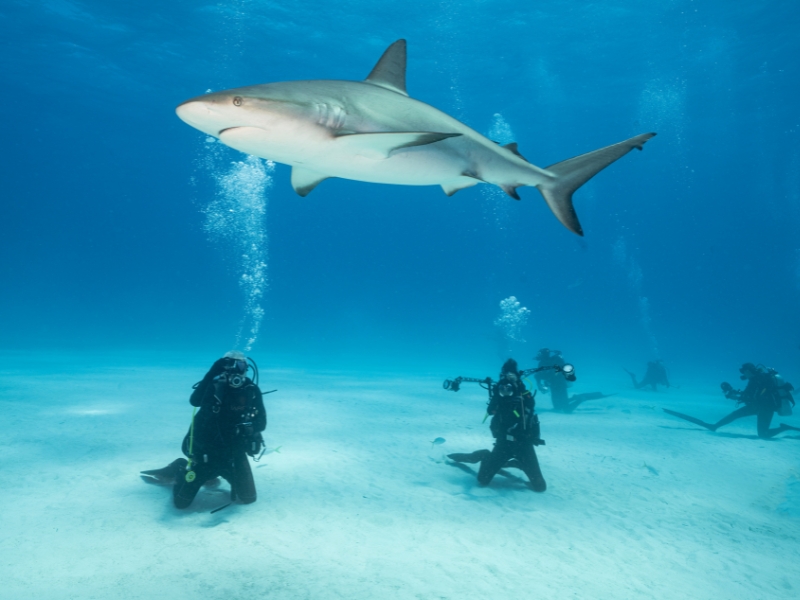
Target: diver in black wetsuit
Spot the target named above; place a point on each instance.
(764, 395)
(223, 433)
(655, 375)
(553, 382)
(515, 427)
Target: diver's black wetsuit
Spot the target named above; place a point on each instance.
(226, 429)
(655, 375)
(554, 383)
(763, 396)
(557, 385)
(515, 428)
(760, 398)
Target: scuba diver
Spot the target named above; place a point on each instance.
(655, 375)
(766, 393)
(550, 381)
(514, 425)
(223, 433)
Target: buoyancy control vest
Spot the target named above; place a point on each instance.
(782, 393)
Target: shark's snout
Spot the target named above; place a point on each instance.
(195, 112)
(211, 113)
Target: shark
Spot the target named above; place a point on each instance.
(373, 131)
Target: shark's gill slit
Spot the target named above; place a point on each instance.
(237, 219)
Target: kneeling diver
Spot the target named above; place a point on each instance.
(766, 393)
(514, 425)
(550, 381)
(655, 375)
(223, 433)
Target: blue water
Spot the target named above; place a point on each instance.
(115, 235)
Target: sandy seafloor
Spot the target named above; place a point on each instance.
(358, 504)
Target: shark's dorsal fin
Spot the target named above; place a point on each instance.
(380, 145)
(513, 147)
(390, 72)
(304, 180)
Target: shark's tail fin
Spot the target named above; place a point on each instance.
(574, 172)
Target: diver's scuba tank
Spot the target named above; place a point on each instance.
(783, 394)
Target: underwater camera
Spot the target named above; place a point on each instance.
(505, 390)
(235, 373)
(455, 384)
(567, 370)
(452, 384)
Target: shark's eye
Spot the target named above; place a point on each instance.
(237, 100)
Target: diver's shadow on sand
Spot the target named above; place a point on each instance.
(509, 481)
(738, 435)
(211, 496)
(777, 438)
(580, 409)
(725, 434)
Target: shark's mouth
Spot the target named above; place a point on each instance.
(230, 129)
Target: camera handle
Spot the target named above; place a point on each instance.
(455, 384)
(567, 370)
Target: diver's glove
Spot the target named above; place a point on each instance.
(217, 369)
(253, 445)
(200, 388)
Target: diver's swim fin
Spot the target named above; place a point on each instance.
(471, 457)
(786, 427)
(694, 420)
(168, 472)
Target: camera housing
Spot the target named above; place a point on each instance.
(235, 380)
(505, 389)
(452, 384)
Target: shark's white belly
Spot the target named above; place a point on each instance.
(406, 167)
(316, 150)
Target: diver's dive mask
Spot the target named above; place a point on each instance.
(238, 365)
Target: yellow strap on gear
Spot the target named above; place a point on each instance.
(190, 475)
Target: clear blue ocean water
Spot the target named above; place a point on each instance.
(118, 234)
(135, 250)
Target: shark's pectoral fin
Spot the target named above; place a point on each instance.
(305, 180)
(455, 185)
(390, 72)
(381, 145)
